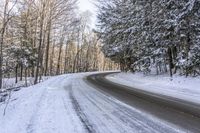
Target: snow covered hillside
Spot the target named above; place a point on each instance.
(67, 103)
(178, 87)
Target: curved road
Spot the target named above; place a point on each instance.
(79, 103)
(181, 113)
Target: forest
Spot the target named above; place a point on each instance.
(52, 37)
(45, 38)
(160, 36)
(99, 66)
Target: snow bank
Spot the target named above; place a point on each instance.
(178, 87)
(10, 82)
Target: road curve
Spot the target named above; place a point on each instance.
(181, 113)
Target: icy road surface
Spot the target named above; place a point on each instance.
(67, 104)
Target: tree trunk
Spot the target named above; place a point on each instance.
(26, 77)
(16, 73)
(87, 59)
(51, 60)
(1, 59)
(65, 63)
(33, 71)
(1, 43)
(170, 61)
(21, 72)
(40, 46)
(75, 63)
(42, 54)
(59, 58)
(47, 49)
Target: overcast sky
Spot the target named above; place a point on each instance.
(85, 5)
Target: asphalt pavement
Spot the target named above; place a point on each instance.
(175, 111)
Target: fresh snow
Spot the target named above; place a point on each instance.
(178, 87)
(67, 103)
(10, 82)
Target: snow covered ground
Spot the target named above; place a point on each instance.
(67, 103)
(179, 87)
(10, 82)
(9, 85)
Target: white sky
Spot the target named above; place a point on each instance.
(85, 5)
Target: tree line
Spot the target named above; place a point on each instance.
(45, 38)
(161, 36)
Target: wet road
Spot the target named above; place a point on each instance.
(181, 113)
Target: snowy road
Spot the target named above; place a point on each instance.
(182, 113)
(68, 103)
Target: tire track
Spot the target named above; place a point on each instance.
(132, 118)
(98, 105)
(88, 126)
(29, 127)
